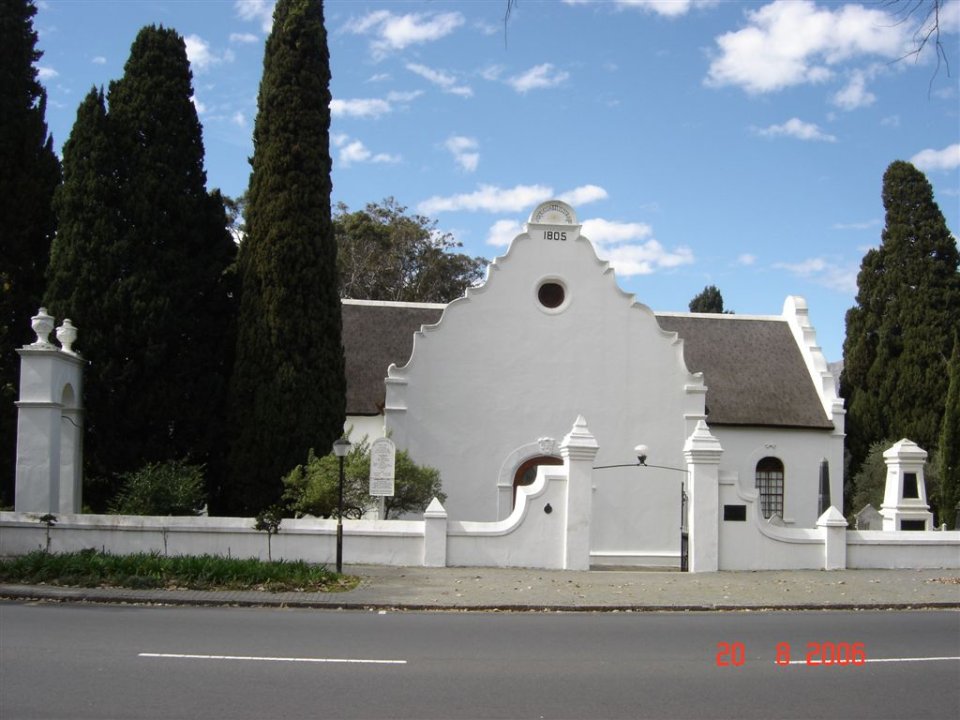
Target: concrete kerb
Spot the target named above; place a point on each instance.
(517, 590)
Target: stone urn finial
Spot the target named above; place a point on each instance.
(67, 336)
(42, 325)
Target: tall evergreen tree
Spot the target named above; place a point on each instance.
(29, 174)
(140, 267)
(900, 333)
(949, 455)
(708, 301)
(288, 387)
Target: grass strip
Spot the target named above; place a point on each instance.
(91, 568)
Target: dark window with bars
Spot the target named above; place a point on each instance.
(770, 485)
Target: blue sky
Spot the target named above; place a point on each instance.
(701, 142)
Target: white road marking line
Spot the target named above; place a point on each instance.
(354, 661)
(869, 660)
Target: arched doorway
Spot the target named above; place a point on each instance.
(527, 472)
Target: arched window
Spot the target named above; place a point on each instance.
(527, 472)
(770, 485)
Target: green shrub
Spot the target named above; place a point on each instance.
(313, 488)
(90, 568)
(169, 488)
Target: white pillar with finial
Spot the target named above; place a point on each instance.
(49, 421)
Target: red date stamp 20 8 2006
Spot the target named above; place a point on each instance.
(818, 653)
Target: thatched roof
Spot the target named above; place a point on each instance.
(374, 336)
(753, 369)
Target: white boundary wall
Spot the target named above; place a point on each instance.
(550, 527)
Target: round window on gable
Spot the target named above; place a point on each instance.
(552, 295)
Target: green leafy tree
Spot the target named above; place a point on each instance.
(141, 266)
(314, 488)
(174, 487)
(900, 333)
(288, 389)
(29, 175)
(386, 254)
(949, 449)
(708, 301)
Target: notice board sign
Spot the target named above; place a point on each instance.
(383, 463)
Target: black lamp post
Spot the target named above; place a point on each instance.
(642, 451)
(340, 448)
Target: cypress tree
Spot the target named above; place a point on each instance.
(86, 262)
(708, 301)
(288, 386)
(29, 174)
(149, 289)
(900, 333)
(949, 455)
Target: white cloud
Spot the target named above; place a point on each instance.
(403, 97)
(583, 195)
(492, 72)
(357, 152)
(891, 121)
(746, 259)
(396, 32)
(502, 232)
(201, 57)
(256, 10)
(238, 118)
(199, 106)
(946, 159)
(464, 151)
(842, 278)
(796, 128)
(667, 8)
(447, 82)
(359, 107)
(244, 38)
(488, 198)
(99, 60)
(867, 225)
(793, 42)
(46, 73)
(855, 94)
(645, 258)
(603, 232)
(379, 77)
(539, 76)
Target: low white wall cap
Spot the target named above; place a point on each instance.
(435, 510)
(832, 518)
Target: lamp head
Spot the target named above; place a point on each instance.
(341, 447)
(641, 451)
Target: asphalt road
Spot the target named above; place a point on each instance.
(92, 661)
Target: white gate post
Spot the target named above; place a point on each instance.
(49, 422)
(578, 450)
(702, 452)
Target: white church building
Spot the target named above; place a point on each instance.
(573, 427)
(485, 387)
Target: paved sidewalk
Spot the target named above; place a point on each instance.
(509, 589)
